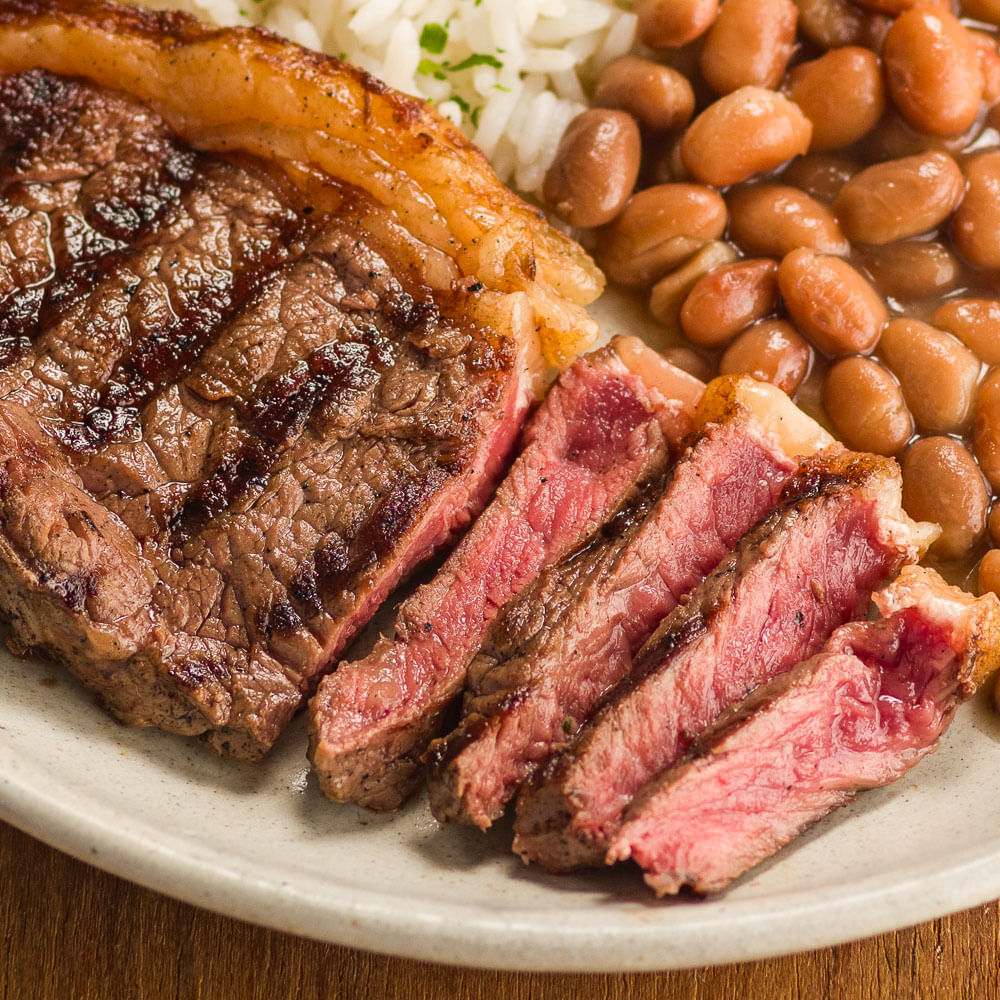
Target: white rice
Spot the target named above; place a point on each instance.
(528, 63)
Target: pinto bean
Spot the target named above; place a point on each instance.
(669, 293)
(932, 70)
(986, 428)
(942, 483)
(658, 97)
(994, 524)
(989, 64)
(666, 24)
(976, 226)
(893, 7)
(750, 43)
(771, 351)
(900, 198)
(831, 24)
(728, 300)
(866, 406)
(658, 229)
(830, 303)
(820, 175)
(595, 167)
(988, 575)
(771, 220)
(983, 10)
(911, 269)
(841, 93)
(747, 132)
(976, 322)
(937, 372)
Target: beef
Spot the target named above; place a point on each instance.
(246, 403)
(246, 90)
(83, 173)
(806, 569)
(600, 432)
(858, 715)
(555, 655)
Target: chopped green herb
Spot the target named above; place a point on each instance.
(476, 59)
(433, 38)
(243, 13)
(474, 117)
(500, 86)
(461, 102)
(430, 68)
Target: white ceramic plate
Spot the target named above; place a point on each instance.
(259, 842)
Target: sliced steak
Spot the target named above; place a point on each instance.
(601, 430)
(560, 651)
(859, 714)
(227, 440)
(809, 567)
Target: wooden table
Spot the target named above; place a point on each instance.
(71, 932)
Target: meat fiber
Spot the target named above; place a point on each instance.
(602, 431)
(809, 567)
(859, 714)
(240, 397)
(568, 641)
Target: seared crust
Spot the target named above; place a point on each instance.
(247, 89)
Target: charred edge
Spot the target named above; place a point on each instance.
(170, 353)
(338, 567)
(72, 589)
(276, 417)
(686, 631)
(190, 675)
(32, 105)
(811, 482)
(117, 212)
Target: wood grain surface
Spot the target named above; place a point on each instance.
(71, 932)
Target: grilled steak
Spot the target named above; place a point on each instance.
(240, 399)
(859, 714)
(563, 647)
(601, 430)
(809, 567)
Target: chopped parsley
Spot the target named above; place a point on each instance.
(476, 59)
(433, 38)
(430, 68)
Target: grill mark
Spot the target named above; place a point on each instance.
(277, 416)
(160, 356)
(336, 566)
(277, 411)
(169, 353)
(91, 218)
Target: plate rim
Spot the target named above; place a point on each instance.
(507, 938)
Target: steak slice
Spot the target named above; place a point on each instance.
(857, 715)
(229, 437)
(809, 567)
(601, 430)
(563, 647)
